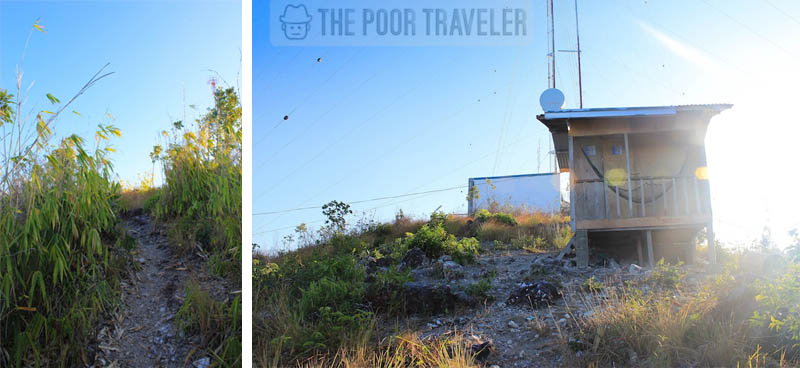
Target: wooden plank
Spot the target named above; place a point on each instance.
(653, 195)
(639, 249)
(573, 180)
(628, 171)
(605, 198)
(675, 197)
(686, 195)
(650, 255)
(646, 124)
(582, 248)
(641, 191)
(642, 222)
(696, 195)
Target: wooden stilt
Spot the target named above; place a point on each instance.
(650, 255)
(582, 248)
(712, 250)
(639, 249)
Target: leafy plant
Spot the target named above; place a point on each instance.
(592, 285)
(336, 212)
(666, 275)
(202, 168)
(219, 322)
(480, 290)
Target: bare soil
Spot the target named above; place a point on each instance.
(142, 331)
(522, 335)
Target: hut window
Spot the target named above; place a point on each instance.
(589, 150)
(616, 150)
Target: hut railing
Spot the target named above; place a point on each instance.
(651, 196)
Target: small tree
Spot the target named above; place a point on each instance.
(336, 212)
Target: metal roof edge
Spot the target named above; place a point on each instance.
(629, 111)
(512, 176)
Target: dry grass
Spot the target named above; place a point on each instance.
(404, 350)
(134, 199)
(671, 327)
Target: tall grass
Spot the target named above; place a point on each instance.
(202, 198)
(202, 206)
(713, 324)
(60, 266)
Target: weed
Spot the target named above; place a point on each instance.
(480, 290)
(666, 275)
(218, 322)
(202, 169)
(592, 285)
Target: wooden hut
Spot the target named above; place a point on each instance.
(638, 178)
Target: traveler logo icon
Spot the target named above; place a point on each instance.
(295, 22)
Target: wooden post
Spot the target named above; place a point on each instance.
(603, 186)
(675, 196)
(696, 195)
(628, 164)
(686, 195)
(639, 249)
(653, 193)
(712, 250)
(619, 211)
(641, 191)
(582, 248)
(650, 255)
(572, 182)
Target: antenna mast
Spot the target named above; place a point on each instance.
(578, 38)
(578, 52)
(551, 46)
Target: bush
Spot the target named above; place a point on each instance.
(500, 217)
(777, 306)
(218, 322)
(60, 247)
(666, 275)
(430, 239)
(462, 251)
(385, 292)
(480, 290)
(202, 197)
(340, 295)
(592, 285)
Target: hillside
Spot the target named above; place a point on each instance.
(410, 293)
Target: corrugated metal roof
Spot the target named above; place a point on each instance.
(630, 111)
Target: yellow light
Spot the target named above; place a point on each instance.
(617, 177)
(701, 173)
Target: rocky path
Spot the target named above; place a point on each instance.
(142, 333)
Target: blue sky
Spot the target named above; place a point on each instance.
(157, 50)
(368, 122)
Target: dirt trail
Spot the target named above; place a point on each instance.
(142, 332)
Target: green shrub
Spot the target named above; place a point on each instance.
(666, 275)
(202, 197)
(505, 218)
(500, 217)
(385, 292)
(483, 215)
(592, 285)
(480, 290)
(777, 305)
(340, 295)
(220, 324)
(60, 248)
(430, 239)
(462, 251)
